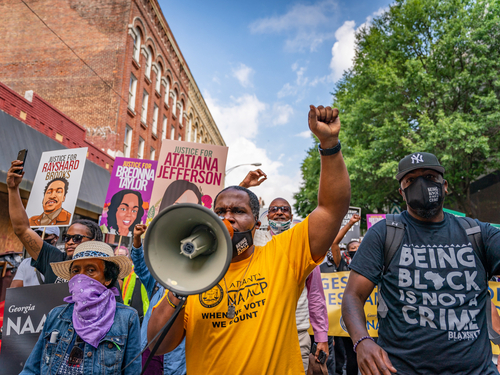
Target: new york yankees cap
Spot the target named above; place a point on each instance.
(418, 160)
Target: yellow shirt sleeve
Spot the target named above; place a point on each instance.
(293, 245)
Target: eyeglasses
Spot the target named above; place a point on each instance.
(284, 209)
(77, 238)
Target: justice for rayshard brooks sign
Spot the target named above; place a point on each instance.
(25, 312)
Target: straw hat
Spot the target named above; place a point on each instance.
(93, 249)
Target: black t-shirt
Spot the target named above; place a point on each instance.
(51, 254)
(435, 289)
(328, 267)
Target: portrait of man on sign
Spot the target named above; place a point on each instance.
(53, 197)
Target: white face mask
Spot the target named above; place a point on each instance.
(280, 226)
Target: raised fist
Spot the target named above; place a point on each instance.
(325, 124)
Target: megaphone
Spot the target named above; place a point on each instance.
(188, 248)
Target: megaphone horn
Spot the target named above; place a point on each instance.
(187, 248)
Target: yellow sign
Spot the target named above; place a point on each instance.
(334, 285)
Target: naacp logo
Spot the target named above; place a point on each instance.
(212, 297)
(418, 158)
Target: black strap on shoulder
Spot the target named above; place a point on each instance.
(473, 231)
(39, 277)
(394, 237)
(475, 237)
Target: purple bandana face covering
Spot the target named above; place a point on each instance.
(94, 311)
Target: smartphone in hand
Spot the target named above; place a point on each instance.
(322, 357)
(22, 156)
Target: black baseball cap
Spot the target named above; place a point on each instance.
(418, 160)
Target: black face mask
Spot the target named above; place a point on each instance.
(242, 241)
(351, 254)
(425, 197)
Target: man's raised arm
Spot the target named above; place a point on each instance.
(334, 192)
(20, 222)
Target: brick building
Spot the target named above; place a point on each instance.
(121, 75)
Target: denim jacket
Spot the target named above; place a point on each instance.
(120, 345)
(174, 363)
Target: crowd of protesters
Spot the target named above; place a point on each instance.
(432, 301)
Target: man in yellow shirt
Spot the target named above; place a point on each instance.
(246, 323)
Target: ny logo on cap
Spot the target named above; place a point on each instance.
(417, 159)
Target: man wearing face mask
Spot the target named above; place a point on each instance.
(312, 303)
(246, 323)
(433, 292)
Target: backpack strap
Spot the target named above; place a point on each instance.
(394, 237)
(475, 237)
(473, 231)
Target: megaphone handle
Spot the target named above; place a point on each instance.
(165, 329)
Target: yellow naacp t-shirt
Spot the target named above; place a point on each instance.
(262, 338)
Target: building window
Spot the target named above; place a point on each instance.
(152, 153)
(189, 130)
(181, 110)
(172, 133)
(155, 119)
(167, 90)
(137, 44)
(127, 143)
(144, 113)
(131, 92)
(149, 61)
(140, 150)
(174, 102)
(164, 128)
(195, 138)
(158, 79)
(180, 137)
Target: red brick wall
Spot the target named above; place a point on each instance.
(33, 58)
(48, 120)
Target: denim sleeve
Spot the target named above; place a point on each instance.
(141, 270)
(33, 365)
(133, 347)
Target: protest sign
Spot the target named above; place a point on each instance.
(372, 219)
(187, 173)
(25, 313)
(333, 286)
(128, 196)
(55, 190)
(354, 232)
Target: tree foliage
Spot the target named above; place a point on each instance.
(425, 78)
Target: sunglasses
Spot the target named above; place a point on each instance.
(284, 209)
(76, 355)
(77, 238)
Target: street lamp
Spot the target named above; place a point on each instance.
(231, 169)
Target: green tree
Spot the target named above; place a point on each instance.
(425, 78)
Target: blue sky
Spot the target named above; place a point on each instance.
(259, 65)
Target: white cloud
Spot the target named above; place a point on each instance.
(243, 74)
(238, 122)
(305, 134)
(281, 113)
(298, 88)
(306, 25)
(343, 51)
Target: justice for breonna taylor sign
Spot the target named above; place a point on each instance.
(55, 190)
(187, 173)
(129, 193)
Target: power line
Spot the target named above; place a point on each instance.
(82, 60)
